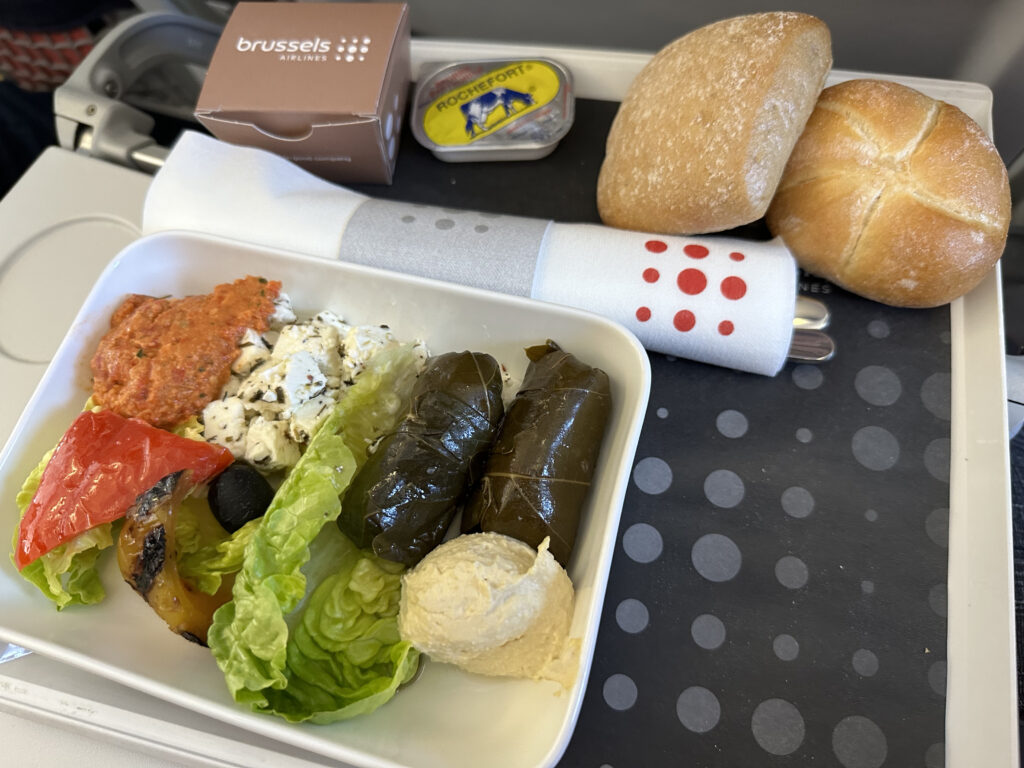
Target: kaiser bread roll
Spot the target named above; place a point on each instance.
(893, 195)
(701, 139)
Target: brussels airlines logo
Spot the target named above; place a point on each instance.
(347, 49)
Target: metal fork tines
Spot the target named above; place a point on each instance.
(811, 346)
(810, 314)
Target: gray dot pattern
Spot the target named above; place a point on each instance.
(936, 395)
(935, 756)
(652, 475)
(732, 424)
(642, 543)
(875, 448)
(938, 598)
(778, 727)
(937, 677)
(716, 557)
(439, 243)
(878, 385)
(724, 488)
(698, 709)
(708, 631)
(797, 501)
(936, 459)
(791, 572)
(878, 329)
(937, 526)
(632, 616)
(859, 743)
(786, 647)
(865, 663)
(788, 556)
(808, 376)
(620, 692)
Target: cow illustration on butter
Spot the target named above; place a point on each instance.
(479, 109)
(493, 110)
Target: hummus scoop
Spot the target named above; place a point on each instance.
(493, 606)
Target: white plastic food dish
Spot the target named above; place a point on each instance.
(446, 717)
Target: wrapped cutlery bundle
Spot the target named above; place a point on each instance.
(723, 301)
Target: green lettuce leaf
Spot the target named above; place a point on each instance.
(191, 428)
(66, 574)
(249, 637)
(344, 656)
(206, 552)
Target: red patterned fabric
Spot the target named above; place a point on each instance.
(40, 61)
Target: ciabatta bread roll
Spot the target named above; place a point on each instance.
(893, 195)
(702, 136)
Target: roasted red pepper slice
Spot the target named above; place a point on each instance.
(100, 466)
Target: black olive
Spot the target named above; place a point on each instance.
(239, 494)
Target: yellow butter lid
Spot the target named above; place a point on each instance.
(493, 108)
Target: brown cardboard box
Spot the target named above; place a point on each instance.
(322, 84)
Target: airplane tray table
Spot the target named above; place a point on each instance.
(810, 569)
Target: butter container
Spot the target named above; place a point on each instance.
(494, 109)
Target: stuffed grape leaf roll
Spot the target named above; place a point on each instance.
(403, 499)
(540, 468)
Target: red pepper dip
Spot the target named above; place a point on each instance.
(163, 360)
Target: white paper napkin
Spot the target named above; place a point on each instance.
(722, 301)
(246, 194)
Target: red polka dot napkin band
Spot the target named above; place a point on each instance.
(718, 300)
